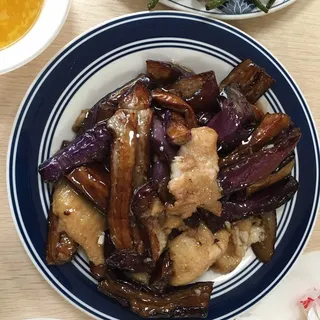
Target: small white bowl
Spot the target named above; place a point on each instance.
(38, 38)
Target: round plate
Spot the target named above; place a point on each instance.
(233, 10)
(101, 60)
(50, 21)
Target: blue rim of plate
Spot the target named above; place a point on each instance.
(48, 96)
(220, 14)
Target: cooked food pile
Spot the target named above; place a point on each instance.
(263, 5)
(167, 177)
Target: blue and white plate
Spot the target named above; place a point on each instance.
(232, 10)
(101, 60)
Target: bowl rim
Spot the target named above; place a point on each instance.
(222, 16)
(10, 57)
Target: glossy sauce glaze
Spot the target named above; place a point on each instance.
(16, 19)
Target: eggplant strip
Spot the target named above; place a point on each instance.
(92, 145)
(105, 107)
(266, 200)
(233, 122)
(142, 160)
(270, 180)
(138, 98)
(269, 128)
(161, 275)
(188, 302)
(252, 79)
(200, 91)
(174, 102)
(259, 165)
(129, 260)
(164, 73)
(93, 181)
(124, 127)
(147, 208)
(60, 247)
(160, 144)
(264, 250)
(177, 131)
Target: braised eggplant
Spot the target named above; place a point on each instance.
(105, 107)
(265, 200)
(175, 103)
(160, 145)
(142, 157)
(264, 250)
(271, 126)
(271, 179)
(91, 146)
(138, 98)
(161, 177)
(188, 302)
(161, 275)
(213, 222)
(78, 126)
(177, 131)
(164, 73)
(93, 181)
(124, 127)
(148, 209)
(259, 165)
(252, 80)
(203, 118)
(235, 118)
(129, 260)
(200, 91)
(142, 189)
(60, 247)
(98, 271)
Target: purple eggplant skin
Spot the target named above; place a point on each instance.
(108, 247)
(200, 91)
(161, 177)
(252, 79)
(137, 98)
(128, 260)
(174, 102)
(93, 182)
(161, 275)
(164, 150)
(147, 209)
(203, 118)
(99, 272)
(271, 126)
(93, 145)
(259, 165)
(243, 135)
(165, 73)
(193, 222)
(287, 160)
(236, 115)
(266, 200)
(213, 222)
(190, 301)
(105, 107)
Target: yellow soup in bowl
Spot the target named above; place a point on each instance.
(16, 19)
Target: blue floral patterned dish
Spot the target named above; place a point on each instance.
(233, 9)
